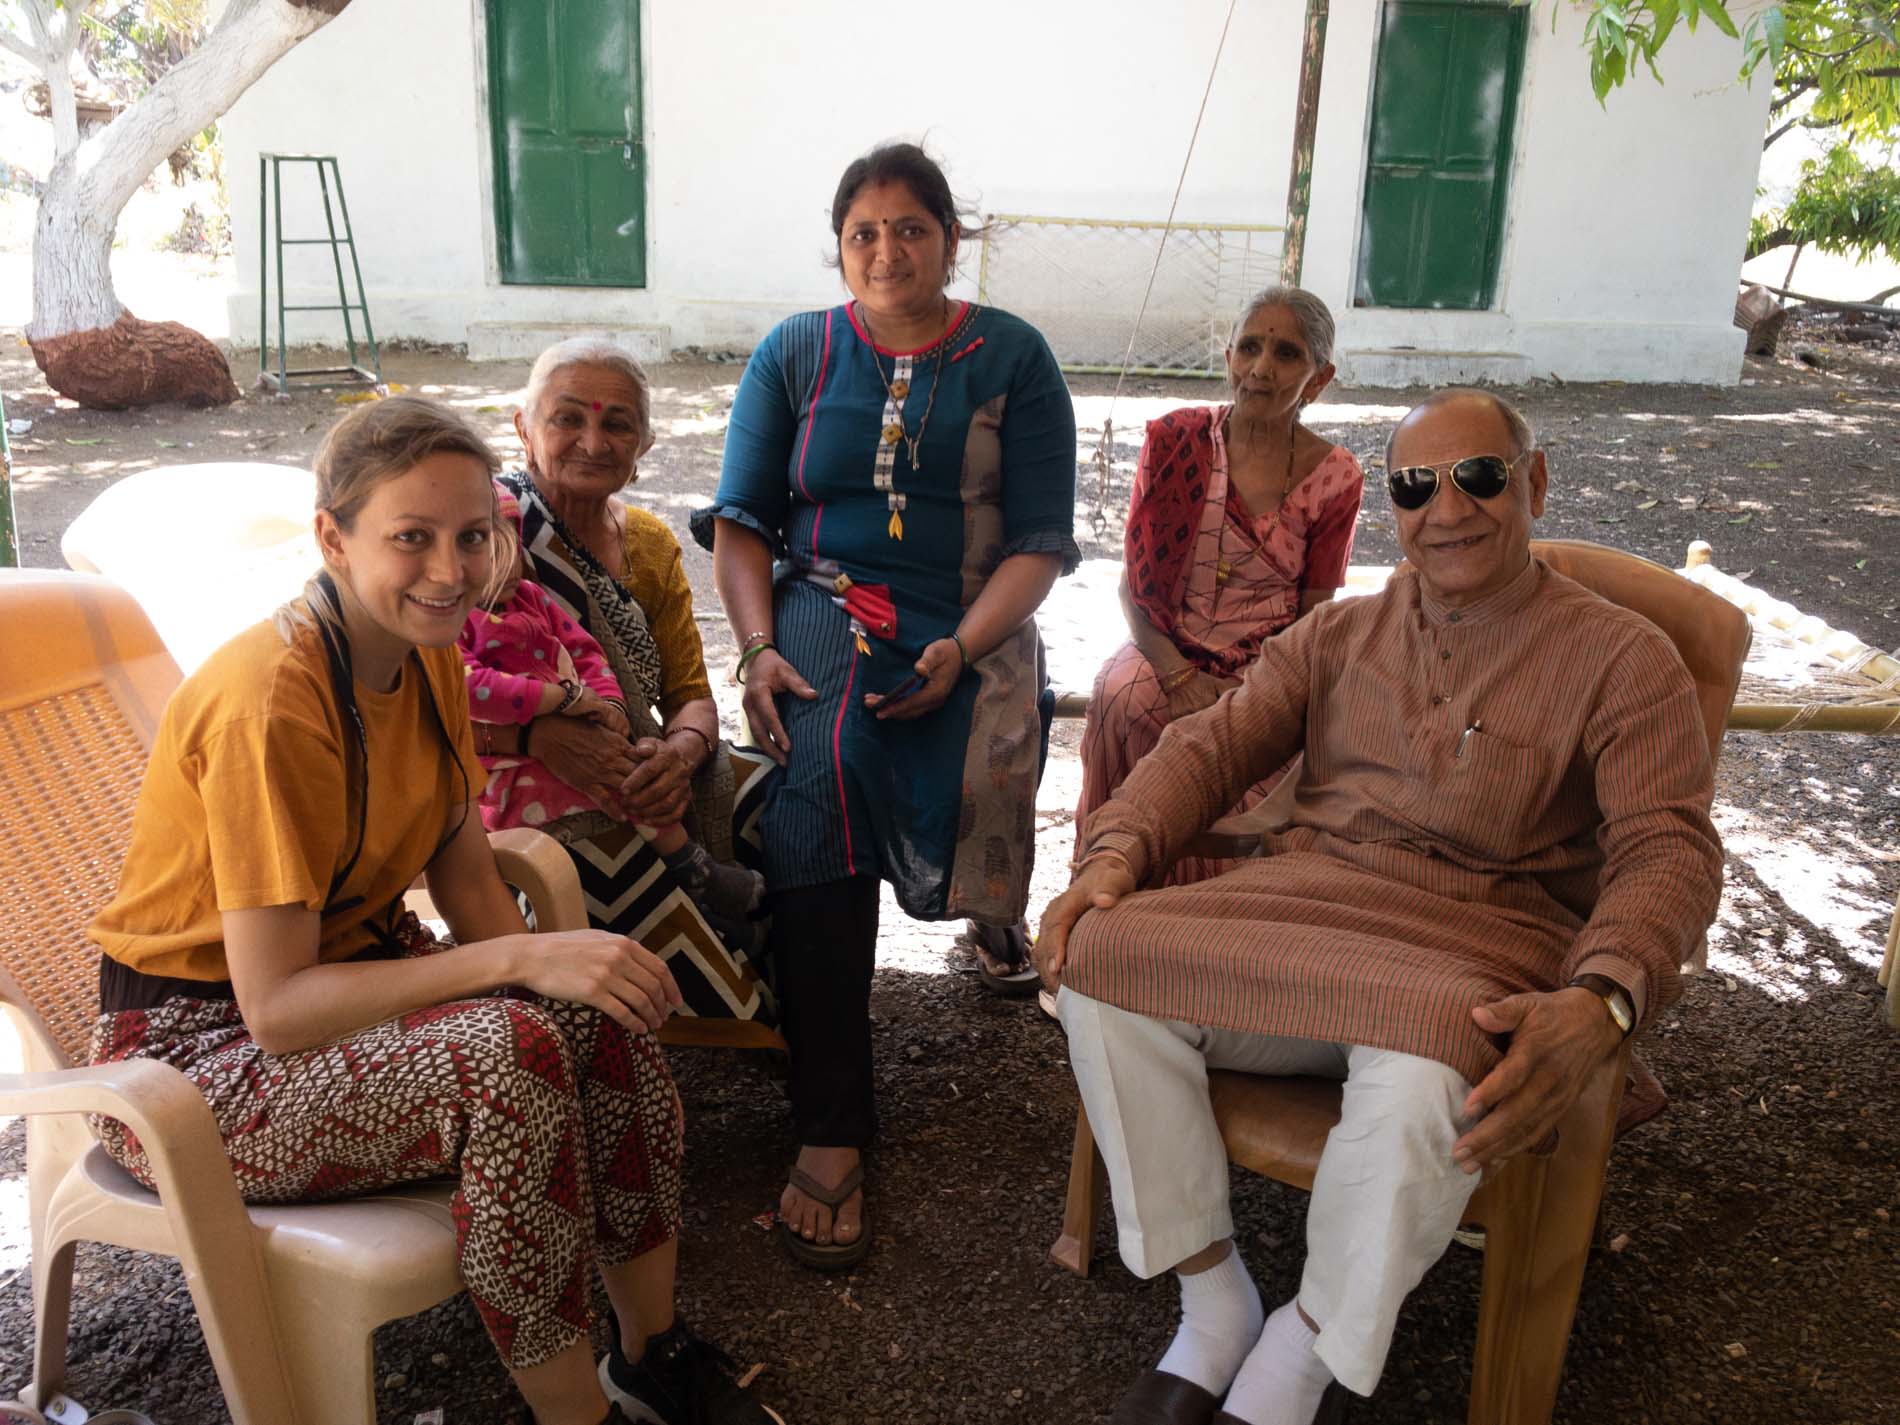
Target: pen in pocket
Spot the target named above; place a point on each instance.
(1465, 736)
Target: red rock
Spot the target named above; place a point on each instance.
(136, 363)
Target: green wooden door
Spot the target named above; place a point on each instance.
(570, 165)
(1444, 98)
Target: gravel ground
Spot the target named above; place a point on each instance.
(1749, 1271)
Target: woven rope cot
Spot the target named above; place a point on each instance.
(1803, 676)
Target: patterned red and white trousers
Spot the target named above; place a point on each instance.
(565, 1131)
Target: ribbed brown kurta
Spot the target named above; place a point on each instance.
(1425, 870)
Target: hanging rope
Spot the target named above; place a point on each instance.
(1099, 520)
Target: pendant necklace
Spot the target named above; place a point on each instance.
(896, 389)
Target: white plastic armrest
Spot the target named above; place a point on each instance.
(174, 1126)
(535, 864)
(213, 1236)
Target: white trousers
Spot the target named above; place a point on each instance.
(1386, 1197)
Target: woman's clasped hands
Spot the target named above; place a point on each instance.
(646, 782)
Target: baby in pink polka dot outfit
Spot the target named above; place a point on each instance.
(527, 657)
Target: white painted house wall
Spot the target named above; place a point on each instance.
(1625, 227)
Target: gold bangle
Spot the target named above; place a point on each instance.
(1179, 678)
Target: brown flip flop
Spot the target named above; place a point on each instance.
(827, 1256)
(1015, 975)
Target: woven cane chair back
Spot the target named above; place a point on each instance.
(82, 682)
(1710, 633)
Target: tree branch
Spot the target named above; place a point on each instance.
(1847, 53)
(12, 42)
(1809, 81)
(1871, 309)
(1797, 86)
(249, 38)
(1780, 237)
(1803, 123)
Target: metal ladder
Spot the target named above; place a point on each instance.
(270, 205)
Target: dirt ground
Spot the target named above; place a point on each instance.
(1751, 1262)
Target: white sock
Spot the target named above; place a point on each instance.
(1220, 1321)
(1282, 1380)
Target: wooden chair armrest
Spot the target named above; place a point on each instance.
(537, 865)
(1240, 833)
(1225, 840)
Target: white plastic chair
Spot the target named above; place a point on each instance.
(206, 550)
(287, 1296)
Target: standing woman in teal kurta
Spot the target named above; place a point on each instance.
(897, 500)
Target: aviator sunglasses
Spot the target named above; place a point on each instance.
(1483, 477)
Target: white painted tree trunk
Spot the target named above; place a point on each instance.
(92, 181)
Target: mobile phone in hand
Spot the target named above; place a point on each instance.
(913, 684)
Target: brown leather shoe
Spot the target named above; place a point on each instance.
(1161, 1398)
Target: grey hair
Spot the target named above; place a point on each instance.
(1314, 316)
(592, 351)
(1519, 428)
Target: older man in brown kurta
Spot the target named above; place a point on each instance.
(1500, 838)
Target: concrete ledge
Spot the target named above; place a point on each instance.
(1413, 366)
(523, 341)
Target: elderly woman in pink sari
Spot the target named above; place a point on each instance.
(1241, 520)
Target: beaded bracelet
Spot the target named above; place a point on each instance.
(688, 727)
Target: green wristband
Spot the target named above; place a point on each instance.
(751, 652)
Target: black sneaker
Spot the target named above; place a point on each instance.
(525, 1416)
(681, 1380)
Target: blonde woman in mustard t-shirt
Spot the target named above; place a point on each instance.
(301, 780)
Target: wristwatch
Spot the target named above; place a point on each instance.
(1614, 998)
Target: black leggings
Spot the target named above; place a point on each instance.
(824, 946)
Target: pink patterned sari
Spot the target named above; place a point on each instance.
(1235, 581)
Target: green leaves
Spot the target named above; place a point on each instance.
(1836, 68)
(1765, 38)
(1844, 206)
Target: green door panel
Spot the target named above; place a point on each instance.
(569, 160)
(1444, 98)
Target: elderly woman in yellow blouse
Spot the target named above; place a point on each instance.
(585, 422)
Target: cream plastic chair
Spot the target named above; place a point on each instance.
(207, 550)
(287, 1296)
(1538, 1212)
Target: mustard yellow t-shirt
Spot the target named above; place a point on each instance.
(248, 801)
